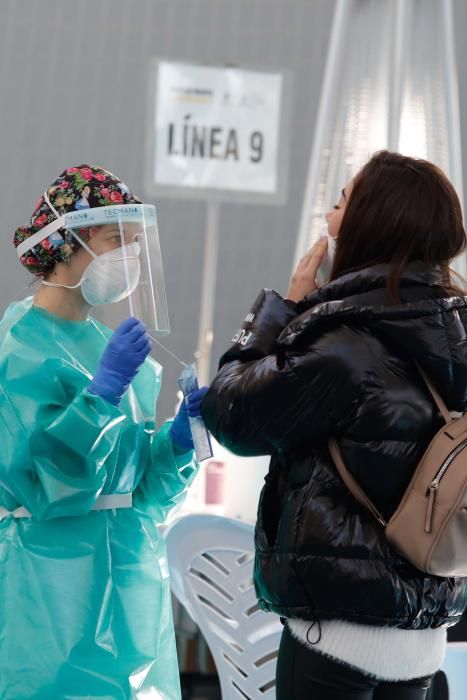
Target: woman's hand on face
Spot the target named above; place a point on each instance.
(303, 280)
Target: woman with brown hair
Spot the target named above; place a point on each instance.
(339, 361)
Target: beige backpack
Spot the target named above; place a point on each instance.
(429, 528)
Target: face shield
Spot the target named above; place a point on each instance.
(124, 276)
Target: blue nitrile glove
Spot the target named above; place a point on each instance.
(190, 407)
(126, 351)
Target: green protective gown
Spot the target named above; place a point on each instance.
(85, 607)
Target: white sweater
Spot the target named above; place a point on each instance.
(387, 653)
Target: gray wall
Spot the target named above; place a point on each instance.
(73, 89)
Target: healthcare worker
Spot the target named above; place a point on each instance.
(85, 477)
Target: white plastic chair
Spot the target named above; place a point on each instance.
(211, 567)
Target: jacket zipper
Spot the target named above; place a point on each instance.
(434, 486)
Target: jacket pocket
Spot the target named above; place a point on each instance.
(269, 513)
(278, 512)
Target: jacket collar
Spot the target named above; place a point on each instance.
(360, 297)
(359, 282)
(427, 326)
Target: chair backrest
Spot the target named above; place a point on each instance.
(211, 568)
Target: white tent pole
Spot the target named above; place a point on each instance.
(453, 116)
(397, 67)
(453, 110)
(337, 45)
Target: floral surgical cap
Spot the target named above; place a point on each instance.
(75, 189)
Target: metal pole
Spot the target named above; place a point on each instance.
(208, 294)
(337, 45)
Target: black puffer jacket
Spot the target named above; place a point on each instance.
(341, 363)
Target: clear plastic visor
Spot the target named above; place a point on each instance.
(125, 276)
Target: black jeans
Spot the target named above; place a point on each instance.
(303, 674)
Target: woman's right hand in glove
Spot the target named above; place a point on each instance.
(126, 351)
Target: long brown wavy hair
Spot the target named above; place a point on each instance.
(400, 209)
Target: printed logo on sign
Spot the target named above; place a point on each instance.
(242, 337)
(250, 100)
(192, 94)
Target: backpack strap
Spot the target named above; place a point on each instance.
(356, 491)
(443, 409)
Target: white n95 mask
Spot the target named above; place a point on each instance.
(323, 274)
(112, 276)
(109, 277)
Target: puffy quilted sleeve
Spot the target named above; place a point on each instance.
(268, 397)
